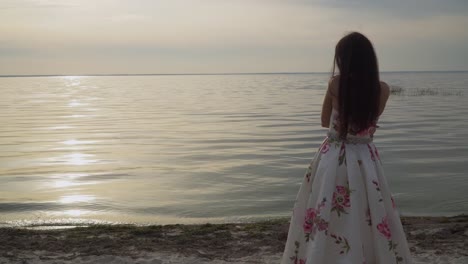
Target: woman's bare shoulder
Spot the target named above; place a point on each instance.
(385, 89)
(333, 85)
(384, 85)
(385, 93)
(334, 79)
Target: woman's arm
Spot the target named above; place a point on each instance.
(384, 95)
(327, 105)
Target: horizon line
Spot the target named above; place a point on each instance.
(175, 74)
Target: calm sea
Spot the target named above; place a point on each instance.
(210, 148)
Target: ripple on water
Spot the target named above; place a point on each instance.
(194, 148)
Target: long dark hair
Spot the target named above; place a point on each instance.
(359, 83)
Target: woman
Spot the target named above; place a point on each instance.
(344, 211)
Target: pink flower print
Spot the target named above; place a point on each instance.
(367, 131)
(341, 240)
(321, 204)
(371, 152)
(384, 229)
(294, 258)
(368, 216)
(341, 189)
(341, 196)
(308, 226)
(309, 220)
(341, 199)
(322, 225)
(376, 153)
(309, 173)
(377, 187)
(362, 133)
(342, 155)
(313, 221)
(325, 148)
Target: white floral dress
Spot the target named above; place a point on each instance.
(344, 211)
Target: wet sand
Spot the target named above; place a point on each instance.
(432, 240)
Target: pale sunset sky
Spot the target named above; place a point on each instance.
(220, 36)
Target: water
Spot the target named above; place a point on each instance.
(210, 148)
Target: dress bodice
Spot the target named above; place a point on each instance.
(363, 136)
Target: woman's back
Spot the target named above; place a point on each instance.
(331, 108)
(334, 122)
(334, 86)
(344, 211)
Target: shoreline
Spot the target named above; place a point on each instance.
(431, 239)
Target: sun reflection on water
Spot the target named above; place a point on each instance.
(72, 80)
(74, 103)
(75, 116)
(66, 180)
(75, 158)
(63, 184)
(76, 198)
(77, 142)
(79, 159)
(59, 127)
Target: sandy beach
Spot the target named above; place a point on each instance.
(432, 240)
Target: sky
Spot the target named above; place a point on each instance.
(74, 37)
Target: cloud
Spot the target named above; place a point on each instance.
(37, 4)
(402, 9)
(295, 35)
